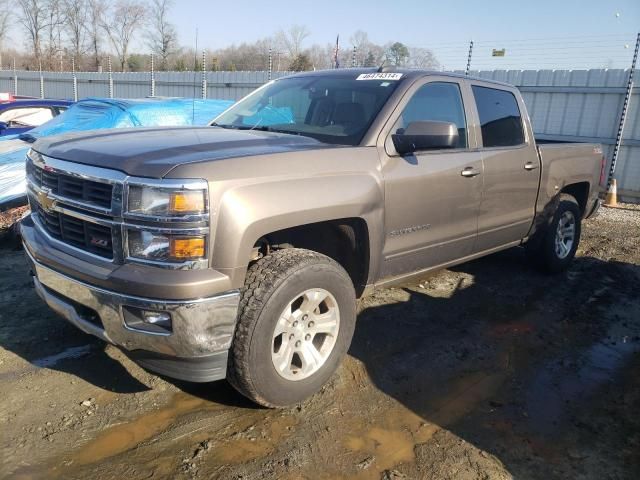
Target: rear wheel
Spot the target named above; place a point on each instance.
(296, 320)
(559, 243)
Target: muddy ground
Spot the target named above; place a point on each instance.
(489, 370)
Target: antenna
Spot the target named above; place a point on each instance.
(382, 66)
(193, 99)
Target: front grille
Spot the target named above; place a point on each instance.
(81, 234)
(68, 186)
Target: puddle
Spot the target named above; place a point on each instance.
(69, 353)
(247, 448)
(388, 443)
(561, 384)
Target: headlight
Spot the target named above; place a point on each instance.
(166, 202)
(163, 247)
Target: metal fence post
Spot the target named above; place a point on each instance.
(270, 63)
(353, 57)
(15, 78)
(41, 81)
(110, 76)
(75, 79)
(623, 114)
(153, 79)
(466, 72)
(204, 74)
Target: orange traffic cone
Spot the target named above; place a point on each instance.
(611, 200)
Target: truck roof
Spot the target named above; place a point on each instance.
(407, 73)
(35, 102)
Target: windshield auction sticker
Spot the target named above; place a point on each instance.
(379, 76)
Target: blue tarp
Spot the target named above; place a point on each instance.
(97, 114)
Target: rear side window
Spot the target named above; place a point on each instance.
(499, 117)
(438, 102)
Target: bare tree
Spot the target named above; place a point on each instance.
(120, 25)
(33, 18)
(53, 28)
(96, 10)
(292, 39)
(5, 16)
(422, 58)
(360, 40)
(76, 14)
(161, 35)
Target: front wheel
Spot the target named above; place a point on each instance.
(296, 320)
(560, 241)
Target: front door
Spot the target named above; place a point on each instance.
(432, 197)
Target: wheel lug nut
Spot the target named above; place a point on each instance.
(291, 336)
(304, 317)
(295, 324)
(311, 324)
(298, 343)
(307, 337)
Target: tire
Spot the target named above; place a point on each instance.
(548, 255)
(273, 288)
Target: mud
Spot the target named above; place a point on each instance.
(489, 370)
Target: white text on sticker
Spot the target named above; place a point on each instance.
(379, 76)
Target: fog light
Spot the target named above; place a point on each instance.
(157, 318)
(150, 321)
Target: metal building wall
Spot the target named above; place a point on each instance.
(578, 105)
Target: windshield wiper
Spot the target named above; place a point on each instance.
(261, 128)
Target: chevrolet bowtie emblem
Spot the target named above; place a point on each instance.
(45, 200)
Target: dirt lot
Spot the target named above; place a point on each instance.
(486, 371)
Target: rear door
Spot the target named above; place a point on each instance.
(431, 207)
(510, 167)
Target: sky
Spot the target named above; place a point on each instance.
(534, 33)
(567, 32)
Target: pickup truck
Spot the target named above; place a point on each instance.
(239, 249)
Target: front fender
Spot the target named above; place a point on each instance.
(248, 212)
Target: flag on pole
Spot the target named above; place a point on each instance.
(335, 53)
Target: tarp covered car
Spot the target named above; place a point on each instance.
(97, 114)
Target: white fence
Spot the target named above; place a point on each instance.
(569, 105)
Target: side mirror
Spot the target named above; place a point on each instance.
(424, 136)
(3, 126)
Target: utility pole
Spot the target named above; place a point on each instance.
(353, 57)
(466, 72)
(623, 114)
(270, 64)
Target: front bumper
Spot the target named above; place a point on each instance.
(195, 349)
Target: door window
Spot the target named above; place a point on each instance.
(437, 102)
(499, 117)
(26, 116)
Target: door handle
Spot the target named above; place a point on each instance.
(530, 166)
(469, 172)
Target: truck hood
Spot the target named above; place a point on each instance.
(154, 152)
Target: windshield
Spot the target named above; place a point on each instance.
(334, 110)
